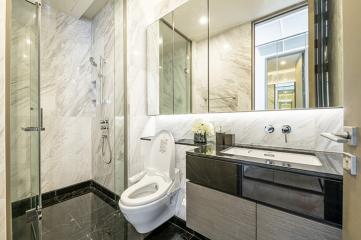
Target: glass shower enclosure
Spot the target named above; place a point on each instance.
(26, 118)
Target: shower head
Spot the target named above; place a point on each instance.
(91, 59)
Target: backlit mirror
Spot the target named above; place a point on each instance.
(178, 61)
(241, 55)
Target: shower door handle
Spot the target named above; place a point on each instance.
(32, 129)
(36, 129)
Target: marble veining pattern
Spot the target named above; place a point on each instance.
(103, 34)
(307, 125)
(66, 94)
(229, 71)
(91, 216)
(141, 13)
(2, 114)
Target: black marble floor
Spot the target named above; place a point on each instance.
(89, 217)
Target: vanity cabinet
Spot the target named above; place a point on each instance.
(273, 224)
(220, 216)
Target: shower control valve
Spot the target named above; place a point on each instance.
(104, 127)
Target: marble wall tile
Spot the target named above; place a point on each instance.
(119, 101)
(66, 73)
(66, 96)
(230, 71)
(153, 73)
(230, 76)
(103, 35)
(141, 13)
(2, 120)
(66, 152)
(307, 125)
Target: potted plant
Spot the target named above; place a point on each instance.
(201, 131)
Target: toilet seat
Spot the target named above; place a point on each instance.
(153, 199)
(147, 190)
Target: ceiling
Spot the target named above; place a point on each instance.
(224, 14)
(78, 8)
(284, 62)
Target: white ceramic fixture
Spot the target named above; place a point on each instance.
(153, 199)
(298, 158)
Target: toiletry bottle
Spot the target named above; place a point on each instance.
(220, 136)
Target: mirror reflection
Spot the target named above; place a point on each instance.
(178, 71)
(281, 61)
(240, 55)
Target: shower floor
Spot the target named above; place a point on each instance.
(88, 217)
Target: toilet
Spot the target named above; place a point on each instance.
(153, 197)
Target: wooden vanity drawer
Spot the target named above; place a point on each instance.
(220, 216)
(273, 224)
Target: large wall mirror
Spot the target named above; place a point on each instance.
(241, 55)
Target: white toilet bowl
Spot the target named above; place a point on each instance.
(152, 200)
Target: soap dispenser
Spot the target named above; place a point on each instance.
(220, 136)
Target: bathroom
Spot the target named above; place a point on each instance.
(179, 119)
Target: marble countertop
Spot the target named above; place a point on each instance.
(331, 162)
(183, 141)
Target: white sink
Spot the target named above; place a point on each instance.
(298, 158)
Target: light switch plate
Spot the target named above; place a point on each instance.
(349, 163)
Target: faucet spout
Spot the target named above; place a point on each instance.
(286, 129)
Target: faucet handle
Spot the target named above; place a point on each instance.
(286, 129)
(269, 129)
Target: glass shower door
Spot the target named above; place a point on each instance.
(26, 119)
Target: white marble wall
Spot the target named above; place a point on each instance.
(307, 125)
(2, 121)
(248, 126)
(141, 13)
(230, 71)
(66, 96)
(119, 95)
(103, 33)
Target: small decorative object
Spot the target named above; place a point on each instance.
(201, 131)
(220, 136)
(229, 139)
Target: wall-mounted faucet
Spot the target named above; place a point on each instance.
(269, 129)
(286, 129)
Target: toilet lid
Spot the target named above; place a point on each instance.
(162, 155)
(150, 188)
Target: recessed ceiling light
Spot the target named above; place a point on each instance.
(160, 41)
(283, 62)
(226, 46)
(203, 20)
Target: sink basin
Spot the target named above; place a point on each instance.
(286, 157)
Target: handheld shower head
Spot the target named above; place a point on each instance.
(91, 59)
